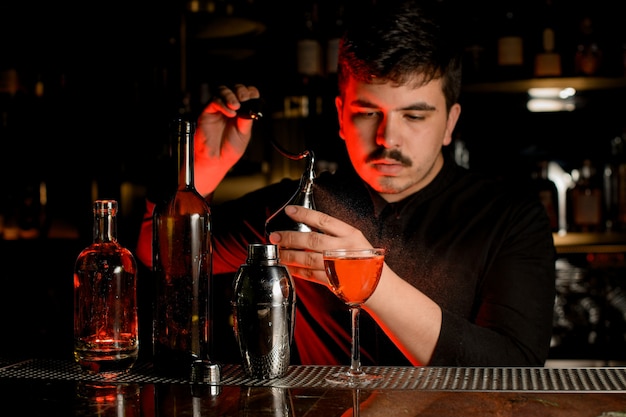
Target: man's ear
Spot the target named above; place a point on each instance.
(339, 106)
(453, 118)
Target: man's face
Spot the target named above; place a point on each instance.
(394, 134)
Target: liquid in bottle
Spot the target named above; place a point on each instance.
(106, 324)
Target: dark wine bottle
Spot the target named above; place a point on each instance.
(182, 256)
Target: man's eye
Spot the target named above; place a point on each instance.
(366, 114)
(414, 116)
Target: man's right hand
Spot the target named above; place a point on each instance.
(221, 137)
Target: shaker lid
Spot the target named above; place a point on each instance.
(262, 252)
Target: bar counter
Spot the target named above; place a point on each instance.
(52, 387)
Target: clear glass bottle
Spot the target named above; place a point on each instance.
(106, 324)
(182, 256)
(302, 197)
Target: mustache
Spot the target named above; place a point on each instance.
(384, 153)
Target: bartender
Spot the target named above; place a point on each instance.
(469, 271)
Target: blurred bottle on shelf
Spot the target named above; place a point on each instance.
(22, 186)
(589, 55)
(548, 60)
(611, 184)
(332, 36)
(547, 192)
(309, 47)
(476, 66)
(618, 181)
(623, 55)
(510, 44)
(31, 210)
(9, 223)
(303, 120)
(309, 66)
(332, 40)
(586, 200)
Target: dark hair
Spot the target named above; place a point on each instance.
(394, 40)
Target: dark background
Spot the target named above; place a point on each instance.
(115, 73)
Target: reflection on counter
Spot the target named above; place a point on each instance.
(54, 388)
(590, 308)
(61, 398)
(109, 399)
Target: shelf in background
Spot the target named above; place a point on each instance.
(522, 86)
(609, 242)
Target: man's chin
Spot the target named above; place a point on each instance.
(387, 185)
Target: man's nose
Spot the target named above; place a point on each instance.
(387, 134)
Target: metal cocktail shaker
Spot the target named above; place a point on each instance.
(264, 302)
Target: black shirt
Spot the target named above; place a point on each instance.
(479, 247)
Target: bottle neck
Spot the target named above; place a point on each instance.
(185, 156)
(105, 221)
(308, 176)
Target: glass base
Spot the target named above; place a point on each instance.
(352, 379)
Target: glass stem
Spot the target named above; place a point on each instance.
(355, 364)
(356, 403)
